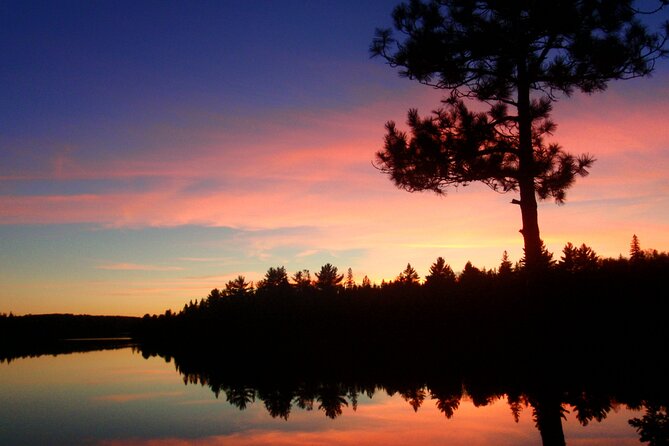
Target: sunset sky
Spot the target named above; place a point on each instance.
(150, 151)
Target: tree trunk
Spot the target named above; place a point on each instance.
(528, 199)
(548, 417)
(530, 229)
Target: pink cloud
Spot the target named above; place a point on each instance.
(613, 124)
(314, 170)
(136, 267)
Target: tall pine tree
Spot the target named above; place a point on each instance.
(518, 57)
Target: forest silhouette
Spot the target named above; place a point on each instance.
(581, 305)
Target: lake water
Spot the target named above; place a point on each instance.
(117, 397)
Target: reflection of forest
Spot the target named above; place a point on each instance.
(60, 347)
(282, 382)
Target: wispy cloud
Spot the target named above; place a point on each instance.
(203, 259)
(306, 253)
(137, 267)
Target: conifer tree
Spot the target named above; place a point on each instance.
(568, 259)
(441, 274)
(275, 279)
(586, 258)
(302, 280)
(505, 267)
(349, 284)
(328, 278)
(238, 287)
(409, 276)
(213, 298)
(517, 57)
(636, 253)
(575, 259)
(470, 275)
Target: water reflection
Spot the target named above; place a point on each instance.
(115, 397)
(282, 382)
(61, 347)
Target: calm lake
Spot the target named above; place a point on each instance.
(119, 397)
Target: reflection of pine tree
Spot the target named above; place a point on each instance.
(590, 406)
(516, 404)
(306, 395)
(240, 396)
(548, 413)
(414, 396)
(353, 397)
(448, 399)
(448, 406)
(653, 427)
(278, 402)
(331, 400)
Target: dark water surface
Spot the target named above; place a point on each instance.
(121, 397)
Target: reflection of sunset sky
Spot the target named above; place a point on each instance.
(148, 155)
(390, 420)
(120, 396)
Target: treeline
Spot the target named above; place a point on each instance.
(52, 334)
(39, 328)
(578, 301)
(441, 278)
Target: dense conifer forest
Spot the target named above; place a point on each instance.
(580, 306)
